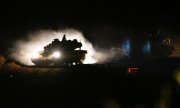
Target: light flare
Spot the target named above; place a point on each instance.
(56, 54)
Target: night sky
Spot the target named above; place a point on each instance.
(107, 21)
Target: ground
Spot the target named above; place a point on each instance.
(155, 85)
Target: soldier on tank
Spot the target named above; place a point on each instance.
(67, 49)
(64, 38)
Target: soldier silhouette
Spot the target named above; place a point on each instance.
(64, 38)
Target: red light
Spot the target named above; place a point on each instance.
(132, 71)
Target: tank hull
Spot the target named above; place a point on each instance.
(67, 58)
(62, 52)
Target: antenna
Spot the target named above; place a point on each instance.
(81, 43)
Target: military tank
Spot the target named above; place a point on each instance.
(65, 52)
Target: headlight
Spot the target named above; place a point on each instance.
(56, 54)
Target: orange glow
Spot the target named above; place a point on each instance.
(132, 71)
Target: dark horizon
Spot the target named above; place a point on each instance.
(97, 20)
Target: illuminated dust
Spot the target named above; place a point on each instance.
(34, 42)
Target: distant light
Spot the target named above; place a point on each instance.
(11, 76)
(126, 47)
(132, 71)
(56, 54)
(147, 47)
(177, 75)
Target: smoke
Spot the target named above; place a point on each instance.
(35, 42)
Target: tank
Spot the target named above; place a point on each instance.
(64, 52)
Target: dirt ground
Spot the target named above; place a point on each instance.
(155, 85)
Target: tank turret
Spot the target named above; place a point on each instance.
(64, 52)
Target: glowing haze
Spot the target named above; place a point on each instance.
(35, 42)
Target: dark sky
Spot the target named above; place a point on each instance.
(96, 19)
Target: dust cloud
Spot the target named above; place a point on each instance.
(34, 42)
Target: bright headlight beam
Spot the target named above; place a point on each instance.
(56, 54)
